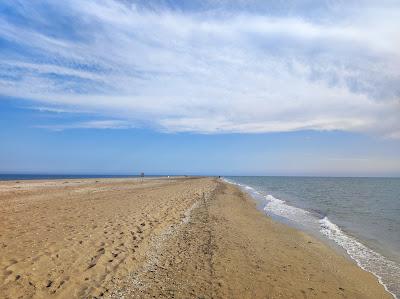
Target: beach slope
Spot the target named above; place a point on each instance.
(162, 238)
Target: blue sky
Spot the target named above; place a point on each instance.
(200, 87)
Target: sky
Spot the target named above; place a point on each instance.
(243, 87)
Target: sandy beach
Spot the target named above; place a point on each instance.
(160, 238)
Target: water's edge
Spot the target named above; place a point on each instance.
(364, 257)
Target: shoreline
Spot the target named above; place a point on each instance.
(186, 237)
(325, 235)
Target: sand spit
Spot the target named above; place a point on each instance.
(176, 238)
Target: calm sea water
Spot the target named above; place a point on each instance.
(361, 215)
(13, 177)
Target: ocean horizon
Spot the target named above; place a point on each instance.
(356, 215)
(273, 125)
(12, 177)
(34, 176)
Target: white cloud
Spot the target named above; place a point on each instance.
(95, 124)
(212, 72)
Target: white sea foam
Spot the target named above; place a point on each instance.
(387, 271)
(275, 206)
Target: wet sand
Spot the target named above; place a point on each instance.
(161, 238)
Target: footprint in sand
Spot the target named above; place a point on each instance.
(93, 262)
(94, 259)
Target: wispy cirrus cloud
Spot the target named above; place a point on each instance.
(94, 124)
(211, 70)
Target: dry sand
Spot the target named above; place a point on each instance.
(176, 238)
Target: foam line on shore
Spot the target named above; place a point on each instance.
(387, 271)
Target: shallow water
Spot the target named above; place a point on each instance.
(361, 215)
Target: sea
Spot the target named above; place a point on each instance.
(13, 177)
(358, 216)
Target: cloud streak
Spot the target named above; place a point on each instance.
(95, 124)
(208, 71)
